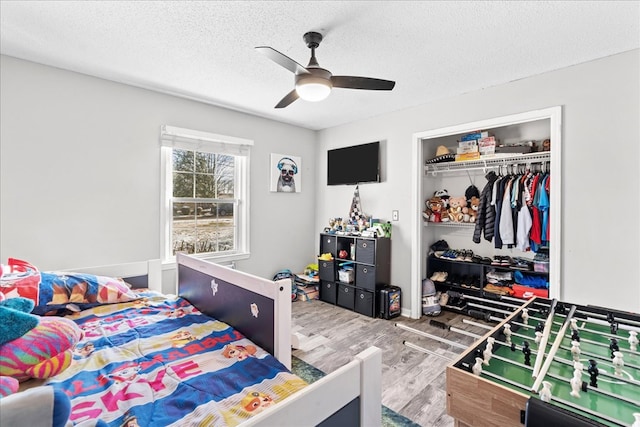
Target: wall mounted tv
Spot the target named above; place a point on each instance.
(354, 164)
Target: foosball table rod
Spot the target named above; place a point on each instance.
(595, 318)
(539, 375)
(489, 300)
(631, 351)
(495, 310)
(606, 374)
(433, 337)
(596, 343)
(424, 350)
(601, 344)
(480, 325)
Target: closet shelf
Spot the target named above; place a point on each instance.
(489, 162)
(450, 224)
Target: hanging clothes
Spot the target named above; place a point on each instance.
(506, 216)
(486, 212)
(544, 205)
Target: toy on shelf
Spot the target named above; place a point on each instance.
(456, 204)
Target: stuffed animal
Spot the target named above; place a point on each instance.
(474, 205)
(455, 208)
(435, 208)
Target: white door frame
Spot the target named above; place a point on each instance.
(418, 254)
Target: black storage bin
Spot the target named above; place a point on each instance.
(346, 296)
(326, 270)
(328, 244)
(328, 292)
(365, 303)
(366, 251)
(366, 277)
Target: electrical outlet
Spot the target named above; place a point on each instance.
(394, 215)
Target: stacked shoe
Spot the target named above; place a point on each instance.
(439, 276)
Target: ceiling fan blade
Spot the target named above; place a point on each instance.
(282, 60)
(352, 82)
(288, 99)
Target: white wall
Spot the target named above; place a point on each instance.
(80, 172)
(600, 178)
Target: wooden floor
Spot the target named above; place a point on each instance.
(413, 382)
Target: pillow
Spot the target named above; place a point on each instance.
(61, 292)
(19, 279)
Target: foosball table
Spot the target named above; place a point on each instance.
(550, 364)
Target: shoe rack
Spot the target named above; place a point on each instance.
(469, 276)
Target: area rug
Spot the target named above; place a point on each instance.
(310, 374)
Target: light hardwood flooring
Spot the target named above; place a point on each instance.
(413, 382)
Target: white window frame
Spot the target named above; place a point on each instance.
(174, 137)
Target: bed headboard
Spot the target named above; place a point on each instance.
(144, 274)
(259, 308)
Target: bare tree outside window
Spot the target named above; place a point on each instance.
(203, 202)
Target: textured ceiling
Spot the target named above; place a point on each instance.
(205, 50)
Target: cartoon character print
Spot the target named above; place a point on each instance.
(126, 373)
(240, 352)
(91, 328)
(177, 313)
(83, 350)
(182, 338)
(130, 421)
(142, 303)
(255, 402)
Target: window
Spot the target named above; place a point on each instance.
(205, 194)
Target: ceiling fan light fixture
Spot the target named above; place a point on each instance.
(311, 88)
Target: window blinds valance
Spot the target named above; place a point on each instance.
(188, 139)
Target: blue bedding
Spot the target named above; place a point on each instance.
(158, 361)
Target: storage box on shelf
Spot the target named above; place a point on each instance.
(369, 262)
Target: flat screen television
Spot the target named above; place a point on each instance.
(353, 165)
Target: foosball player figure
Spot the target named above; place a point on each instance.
(561, 308)
(507, 333)
(575, 336)
(593, 372)
(633, 340)
(614, 346)
(527, 353)
(525, 316)
(618, 363)
(575, 350)
(538, 337)
(614, 328)
(540, 327)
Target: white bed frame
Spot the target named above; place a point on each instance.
(351, 395)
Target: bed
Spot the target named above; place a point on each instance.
(186, 336)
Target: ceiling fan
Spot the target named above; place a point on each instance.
(314, 83)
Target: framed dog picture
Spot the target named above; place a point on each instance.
(286, 176)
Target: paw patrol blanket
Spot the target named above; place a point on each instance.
(159, 361)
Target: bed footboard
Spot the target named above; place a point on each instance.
(259, 308)
(349, 396)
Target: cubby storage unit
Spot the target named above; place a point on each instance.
(370, 259)
(456, 177)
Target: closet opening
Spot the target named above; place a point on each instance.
(530, 157)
